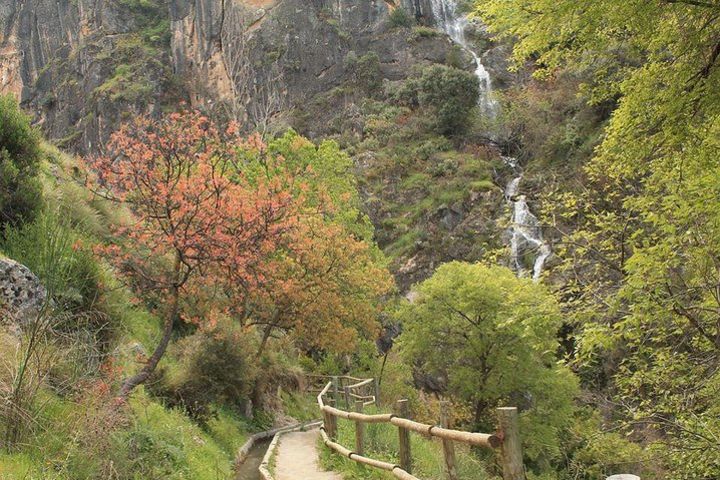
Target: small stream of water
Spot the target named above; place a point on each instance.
(528, 249)
(248, 470)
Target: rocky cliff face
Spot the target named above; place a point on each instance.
(324, 67)
(260, 58)
(83, 66)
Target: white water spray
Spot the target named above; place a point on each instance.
(526, 241)
(526, 238)
(454, 24)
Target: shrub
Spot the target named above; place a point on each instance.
(400, 18)
(216, 369)
(20, 190)
(419, 32)
(451, 93)
(365, 72)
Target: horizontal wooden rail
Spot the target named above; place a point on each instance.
(507, 440)
(347, 377)
(471, 438)
(362, 383)
(390, 467)
(358, 417)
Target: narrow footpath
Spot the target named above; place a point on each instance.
(297, 458)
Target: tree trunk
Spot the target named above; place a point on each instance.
(480, 418)
(265, 338)
(129, 384)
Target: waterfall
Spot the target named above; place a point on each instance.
(454, 24)
(525, 232)
(526, 238)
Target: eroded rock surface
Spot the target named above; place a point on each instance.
(22, 295)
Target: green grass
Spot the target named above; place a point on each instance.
(229, 431)
(181, 448)
(301, 407)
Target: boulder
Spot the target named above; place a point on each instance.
(22, 296)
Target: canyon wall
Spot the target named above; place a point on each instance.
(81, 67)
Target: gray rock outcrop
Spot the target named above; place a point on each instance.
(22, 295)
(85, 66)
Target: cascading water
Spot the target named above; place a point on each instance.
(454, 24)
(525, 233)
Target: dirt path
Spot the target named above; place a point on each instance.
(297, 458)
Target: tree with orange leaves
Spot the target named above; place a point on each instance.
(327, 282)
(194, 212)
(325, 292)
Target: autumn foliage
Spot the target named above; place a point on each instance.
(223, 227)
(193, 210)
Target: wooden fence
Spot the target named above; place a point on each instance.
(355, 394)
(346, 389)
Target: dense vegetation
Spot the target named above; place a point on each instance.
(639, 277)
(194, 274)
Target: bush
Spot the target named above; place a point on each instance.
(365, 72)
(20, 190)
(420, 32)
(400, 18)
(216, 368)
(451, 93)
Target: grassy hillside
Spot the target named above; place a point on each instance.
(70, 429)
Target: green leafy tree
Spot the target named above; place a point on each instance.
(643, 247)
(451, 94)
(490, 338)
(20, 190)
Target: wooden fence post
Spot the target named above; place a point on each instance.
(326, 423)
(359, 430)
(448, 445)
(331, 428)
(347, 398)
(511, 451)
(336, 390)
(401, 410)
(377, 392)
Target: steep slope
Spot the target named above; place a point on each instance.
(82, 67)
(326, 68)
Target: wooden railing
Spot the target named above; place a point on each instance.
(347, 389)
(506, 439)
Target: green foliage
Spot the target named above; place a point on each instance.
(327, 170)
(595, 453)
(215, 368)
(451, 94)
(20, 154)
(401, 18)
(492, 336)
(645, 221)
(365, 72)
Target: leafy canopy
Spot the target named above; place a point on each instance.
(491, 339)
(645, 243)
